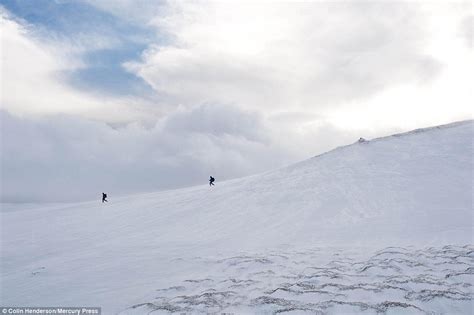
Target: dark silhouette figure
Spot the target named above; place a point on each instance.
(211, 181)
(104, 197)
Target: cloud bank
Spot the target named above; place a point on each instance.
(69, 158)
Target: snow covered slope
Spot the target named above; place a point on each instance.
(411, 190)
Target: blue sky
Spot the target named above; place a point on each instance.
(104, 72)
(127, 96)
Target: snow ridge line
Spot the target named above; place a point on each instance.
(401, 134)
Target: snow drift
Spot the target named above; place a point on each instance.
(411, 189)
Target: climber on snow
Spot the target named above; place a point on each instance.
(211, 181)
(104, 197)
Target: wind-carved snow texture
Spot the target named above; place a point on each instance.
(394, 280)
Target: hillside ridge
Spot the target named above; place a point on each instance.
(400, 134)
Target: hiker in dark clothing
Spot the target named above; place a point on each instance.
(104, 197)
(211, 181)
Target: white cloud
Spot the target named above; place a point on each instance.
(285, 55)
(466, 29)
(318, 57)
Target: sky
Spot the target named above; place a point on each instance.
(129, 96)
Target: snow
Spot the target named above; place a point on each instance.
(384, 225)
